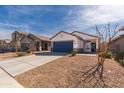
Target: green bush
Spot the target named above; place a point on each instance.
(121, 62)
(105, 54)
(28, 51)
(119, 56)
(20, 54)
(73, 52)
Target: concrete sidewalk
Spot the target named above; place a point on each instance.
(7, 81)
(87, 54)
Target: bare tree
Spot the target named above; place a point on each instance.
(17, 45)
(106, 35)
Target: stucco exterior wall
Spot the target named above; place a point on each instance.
(88, 37)
(87, 46)
(67, 37)
(118, 45)
(63, 37)
(79, 43)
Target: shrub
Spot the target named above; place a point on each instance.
(119, 56)
(121, 62)
(28, 51)
(73, 52)
(20, 54)
(105, 54)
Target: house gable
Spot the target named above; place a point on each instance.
(84, 35)
(18, 36)
(63, 36)
(26, 40)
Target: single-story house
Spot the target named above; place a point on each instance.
(5, 45)
(28, 41)
(79, 41)
(117, 44)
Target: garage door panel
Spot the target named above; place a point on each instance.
(66, 46)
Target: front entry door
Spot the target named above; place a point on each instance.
(93, 47)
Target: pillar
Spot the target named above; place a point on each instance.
(40, 46)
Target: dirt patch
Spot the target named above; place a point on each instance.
(67, 71)
(5, 56)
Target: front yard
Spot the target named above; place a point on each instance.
(67, 71)
(10, 55)
(4, 56)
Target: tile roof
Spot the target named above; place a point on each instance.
(42, 37)
(37, 36)
(20, 32)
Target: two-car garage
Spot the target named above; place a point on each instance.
(63, 46)
(64, 42)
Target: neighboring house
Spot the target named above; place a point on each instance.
(2, 46)
(5, 45)
(2, 43)
(81, 42)
(28, 41)
(117, 44)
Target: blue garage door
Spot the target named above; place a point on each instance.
(66, 46)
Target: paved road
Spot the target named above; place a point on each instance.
(20, 65)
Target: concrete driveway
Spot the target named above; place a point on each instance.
(20, 65)
(6, 81)
(16, 66)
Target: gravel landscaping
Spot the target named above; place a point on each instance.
(66, 72)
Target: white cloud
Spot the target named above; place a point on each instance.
(6, 29)
(8, 25)
(5, 33)
(86, 17)
(77, 19)
(102, 14)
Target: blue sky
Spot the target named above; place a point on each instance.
(48, 20)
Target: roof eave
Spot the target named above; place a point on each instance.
(85, 34)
